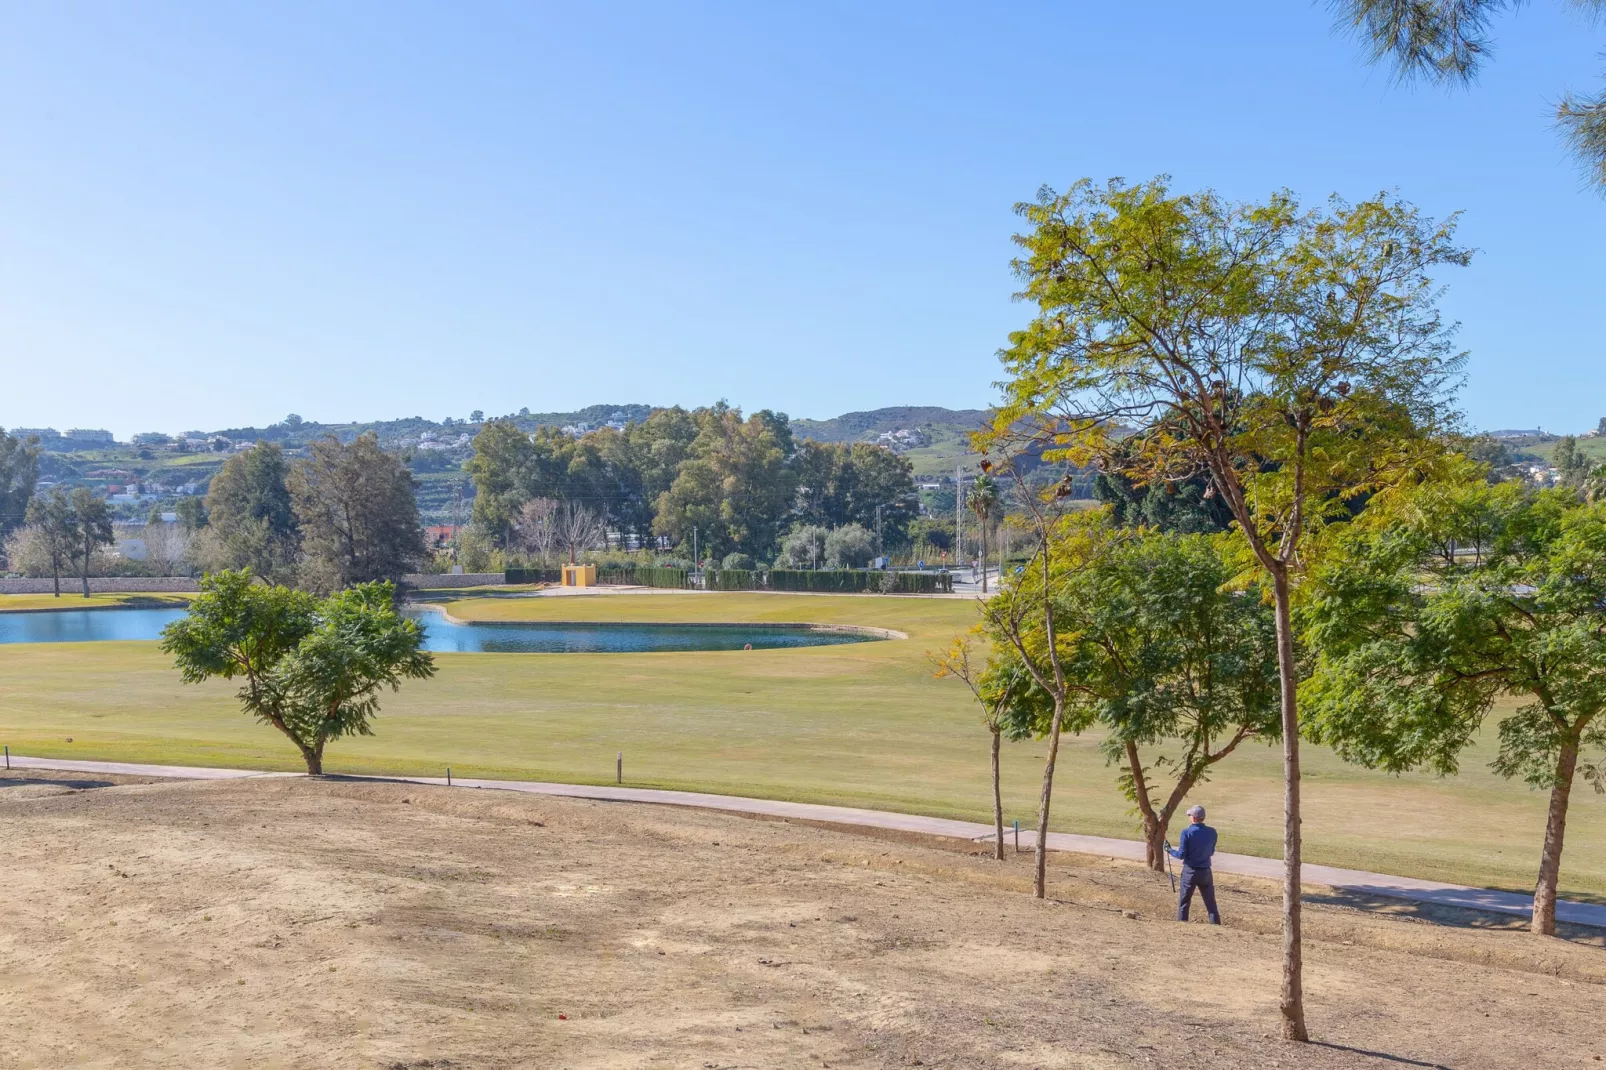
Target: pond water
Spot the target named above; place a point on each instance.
(440, 634)
(85, 625)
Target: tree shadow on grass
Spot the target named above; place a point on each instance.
(1452, 916)
(78, 785)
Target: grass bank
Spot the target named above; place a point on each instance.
(72, 598)
(862, 724)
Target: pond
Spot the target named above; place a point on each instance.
(442, 634)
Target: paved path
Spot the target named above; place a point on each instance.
(1350, 880)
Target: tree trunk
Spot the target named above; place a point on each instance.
(984, 556)
(1154, 824)
(998, 801)
(55, 578)
(1293, 993)
(1040, 882)
(86, 568)
(314, 759)
(1154, 843)
(1544, 916)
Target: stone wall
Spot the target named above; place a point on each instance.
(468, 579)
(177, 585)
(103, 585)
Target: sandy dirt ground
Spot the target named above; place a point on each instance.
(298, 923)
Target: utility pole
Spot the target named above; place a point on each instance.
(959, 513)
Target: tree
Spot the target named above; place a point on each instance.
(997, 687)
(804, 547)
(476, 417)
(1177, 658)
(536, 531)
(251, 518)
(510, 467)
(311, 668)
(55, 525)
(849, 546)
(1413, 647)
(167, 547)
(736, 487)
(1445, 41)
(579, 529)
(1573, 466)
(503, 457)
(847, 483)
(1294, 358)
(191, 513)
(19, 474)
(1025, 618)
(92, 523)
(358, 514)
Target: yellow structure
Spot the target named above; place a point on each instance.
(579, 575)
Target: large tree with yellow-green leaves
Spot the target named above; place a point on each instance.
(1296, 359)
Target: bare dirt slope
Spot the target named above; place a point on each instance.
(294, 923)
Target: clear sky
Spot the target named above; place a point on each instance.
(216, 214)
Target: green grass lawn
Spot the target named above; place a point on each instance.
(861, 724)
(72, 598)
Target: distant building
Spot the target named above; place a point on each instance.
(1535, 433)
(45, 435)
(83, 436)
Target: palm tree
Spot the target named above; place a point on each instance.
(983, 499)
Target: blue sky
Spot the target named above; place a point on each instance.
(214, 215)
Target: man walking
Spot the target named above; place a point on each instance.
(1194, 847)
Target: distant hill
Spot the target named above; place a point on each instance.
(853, 426)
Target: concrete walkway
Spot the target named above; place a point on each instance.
(1349, 880)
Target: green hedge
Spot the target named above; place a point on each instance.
(828, 581)
(925, 583)
(734, 579)
(674, 578)
(853, 581)
(835, 581)
(532, 575)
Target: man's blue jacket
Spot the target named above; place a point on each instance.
(1195, 846)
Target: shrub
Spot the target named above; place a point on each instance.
(737, 561)
(803, 548)
(849, 546)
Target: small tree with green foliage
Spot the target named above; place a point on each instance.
(92, 521)
(1027, 618)
(1414, 645)
(804, 546)
(312, 668)
(1185, 667)
(998, 686)
(55, 528)
(849, 546)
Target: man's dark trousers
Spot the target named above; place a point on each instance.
(1202, 880)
